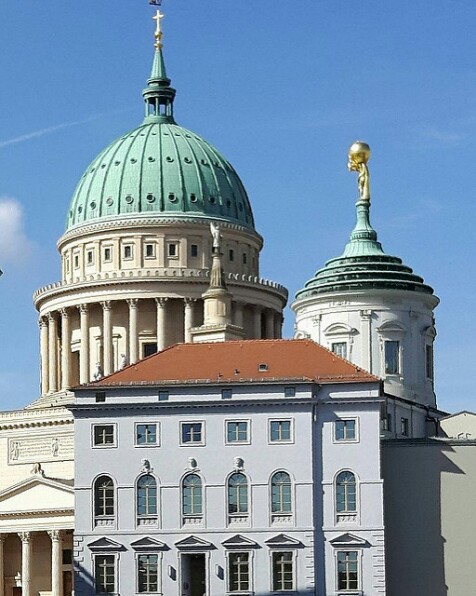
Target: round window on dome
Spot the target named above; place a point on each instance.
(129, 199)
(133, 160)
(93, 205)
(117, 162)
(151, 159)
(150, 198)
(172, 198)
(169, 159)
(212, 200)
(193, 198)
(109, 201)
(80, 209)
(187, 160)
(228, 203)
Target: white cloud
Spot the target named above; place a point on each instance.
(15, 247)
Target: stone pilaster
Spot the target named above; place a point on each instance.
(45, 376)
(65, 349)
(53, 352)
(269, 323)
(257, 322)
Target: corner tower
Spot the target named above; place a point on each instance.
(137, 251)
(370, 308)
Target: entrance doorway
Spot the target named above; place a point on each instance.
(194, 575)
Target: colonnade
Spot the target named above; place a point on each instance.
(56, 331)
(56, 537)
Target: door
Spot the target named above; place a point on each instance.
(194, 575)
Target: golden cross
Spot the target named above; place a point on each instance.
(158, 32)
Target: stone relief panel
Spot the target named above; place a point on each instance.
(40, 448)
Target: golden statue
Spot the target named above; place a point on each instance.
(359, 155)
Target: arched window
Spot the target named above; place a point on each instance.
(192, 495)
(147, 495)
(281, 493)
(104, 497)
(238, 493)
(346, 492)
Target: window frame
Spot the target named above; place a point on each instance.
(159, 566)
(289, 441)
(398, 372)
(126, 257)
(147, 514)
(292, 555)
(95, 501)
(358, 553)
(112, 445)
(340, 343)
(404, 426)
(289, 391)
(194, 251)
(175, 254)
(346, 510)
(200, 443)
(192, 514)
(107, 259)
(281, 512)
(246, 490)
(345, 419)
(153, 246)
(246, 421)
(228, 555)
(116, 575)
(157, 434)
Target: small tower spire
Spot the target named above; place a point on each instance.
(159, 95)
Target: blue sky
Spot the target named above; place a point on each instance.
(282, 89)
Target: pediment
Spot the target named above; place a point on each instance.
(239, 541)
(340, 329)
(193, 542)
(348, 539)
(37, 494)
(283, 540)
(105, 544)
(392, 327)
(148, 543)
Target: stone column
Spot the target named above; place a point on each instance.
(84, 349)
(257, 322)
(239, 321)
(366, 339)
(53, 352)
(161, 302)
(65, 350)
(278, 323)
(269, 323)
(133, 336)
(56, 562)
(2, 566)
(188, 319)
(107, 337)
(25, 538)
(45, 375)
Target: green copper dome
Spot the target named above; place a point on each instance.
(363, 265)
(160, 170)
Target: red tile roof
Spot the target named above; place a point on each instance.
(239, 361)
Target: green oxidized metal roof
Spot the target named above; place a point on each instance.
(159, 170)
(363, 265)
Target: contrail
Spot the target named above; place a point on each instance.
(45, 131)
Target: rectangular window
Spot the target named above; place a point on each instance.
(148, 573)
(194, 250)
(107, 255)
(105, 574)
(90, 257)
(245, 258)
(172, 250)
(146, 434)
(104, 435)
(226, 393)
(237, 431)
(128, 252)
(100, 397)
(280, 431)
(67, 556)
(283, 576)
(239, 572)
(290, 392)
(192, 433)
(347, 570)
(340, 348)
(149, 252)
(392, 357)
(388, 422)
(163, 396)
(231, 255)
(404, 427)
(345, 430)
(76, 261)
(429, 363)
(148, 349)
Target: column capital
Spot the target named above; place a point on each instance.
(55, 535)
(161, 302)
(64, 313)
(3, 537)
(42, 322)
(132, 302)
(83, 308)
(51, 318)
(106, 305)
(25, 536)
(189, 301)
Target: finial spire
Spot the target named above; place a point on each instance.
(359, 155)
(158, 31)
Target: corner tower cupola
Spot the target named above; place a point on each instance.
(370, 307)
(159, 95)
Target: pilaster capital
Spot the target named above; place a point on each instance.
(106, 305)
(25, 537)
(132, 302)
(83, 309)
(161, 302)
(366, 314)
(2, 538)
(55, 535)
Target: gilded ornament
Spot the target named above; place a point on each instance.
(359, 155)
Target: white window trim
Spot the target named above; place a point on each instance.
(248, 422)
(154, 250)
(356, 419)
(109, 445)
(289, 441)
(283, 549)
(116, 556)
(251, 554)
(197, 516)
(201, 443)
(358, 550)
(124, 246)
(152, 445)
(157, 516)
(110, 248)
(176, 256)
(160, 556)
(356, 513)
(290, 516)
